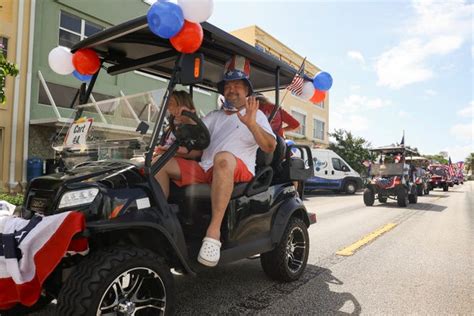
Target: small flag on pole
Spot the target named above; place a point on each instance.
(296, 85)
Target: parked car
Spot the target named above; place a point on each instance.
(331, 172)
(391, 177)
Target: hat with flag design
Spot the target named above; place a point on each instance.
(237, 68)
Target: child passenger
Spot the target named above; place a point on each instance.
(179, 101)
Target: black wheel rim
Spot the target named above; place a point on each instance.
(296, 249)
(137, 291)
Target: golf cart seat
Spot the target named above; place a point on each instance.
(192, 197)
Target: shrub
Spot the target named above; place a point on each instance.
(15, 199)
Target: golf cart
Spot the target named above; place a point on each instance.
(391, 178)
(440, 177)
(422, 177)
(135, 236)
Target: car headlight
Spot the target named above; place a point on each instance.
(78, 197)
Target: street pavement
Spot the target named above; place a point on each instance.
(423, 266)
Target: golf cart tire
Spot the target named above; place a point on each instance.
(402, 198)
(84, 289)
(275, 263)
(369, 197)
(413, 198)
(445, 188)
(382, 199)
(350, 187)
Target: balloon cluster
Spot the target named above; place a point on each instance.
(82, 64)
(315, 90)
(180, 22)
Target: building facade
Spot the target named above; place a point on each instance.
(313, 118)
(15, 40)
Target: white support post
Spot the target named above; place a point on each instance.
(102, 117)
(129, 106)
(48, 93)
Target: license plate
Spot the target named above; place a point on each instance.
(38, 204)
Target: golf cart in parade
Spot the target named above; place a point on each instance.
(440, 177)
(422, 176)
(135, 236)
(391, 177)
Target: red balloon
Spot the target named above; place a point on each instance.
(86, 61)
(318, 96)
(189, 39)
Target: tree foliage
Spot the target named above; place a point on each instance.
(437, 158)
(469, 162)
(353, 149)
(6, 69)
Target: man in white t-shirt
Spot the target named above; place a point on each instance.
(237, 131)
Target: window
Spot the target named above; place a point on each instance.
(338, 165)
(320, 104)
(73, 29)
(301, 118)
(63, 95)
(260, 48)
(318, 129)
(3, 46)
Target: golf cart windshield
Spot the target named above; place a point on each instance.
(389, 169)
(117, 128)
(439, 171)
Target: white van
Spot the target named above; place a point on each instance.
(331, 172)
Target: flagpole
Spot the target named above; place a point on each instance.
(277, 107)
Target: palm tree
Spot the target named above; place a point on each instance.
(469, 162)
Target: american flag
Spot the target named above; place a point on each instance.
(451, 168)
(296, 85)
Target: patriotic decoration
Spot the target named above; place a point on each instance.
(296, 85)
(312, 90)
(450, 167)
(31, 249)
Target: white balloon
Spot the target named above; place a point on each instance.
(307, 91)
(60, 60)
(196, 11)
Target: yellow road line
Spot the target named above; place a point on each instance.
(349, 251)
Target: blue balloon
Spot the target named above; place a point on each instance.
(165, 19)
(322, 81)
(81, 77)
(289, 143)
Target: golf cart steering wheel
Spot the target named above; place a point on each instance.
(192, 136)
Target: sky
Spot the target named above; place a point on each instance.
(397, 65)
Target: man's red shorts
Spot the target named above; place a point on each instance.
(192, 173)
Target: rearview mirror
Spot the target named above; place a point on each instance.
(191, 69)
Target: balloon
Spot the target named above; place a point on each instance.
(289, 143)
(322, 81)
(60, 60)
(307, 91)
(165, 19)
(86, 61)
(196, 11)
(189, 39)
(318, 96)
(80, 77)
